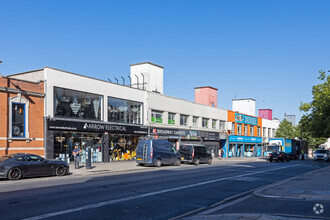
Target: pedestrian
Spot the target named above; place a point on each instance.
(75, 153)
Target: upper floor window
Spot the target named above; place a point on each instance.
(245, 130)
(214, 124)
(156, 116)
(269, 133)
(251, 130)
(239, 129)
(18, 117)
(205, 122)
(124, 111)
(273, 132)
(232, 128)
(75, 104)
(264, 132)
(18, 120)
(258, 131)
(195, 121)
(222, 125)
(184, 120)
(171, 118)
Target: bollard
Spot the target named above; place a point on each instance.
(88, 158)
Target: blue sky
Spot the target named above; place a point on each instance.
(267, 50)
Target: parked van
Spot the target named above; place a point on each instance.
(195, 154)
(157, 153)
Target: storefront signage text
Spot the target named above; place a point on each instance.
(245, 119)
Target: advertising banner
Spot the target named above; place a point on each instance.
(245, 119)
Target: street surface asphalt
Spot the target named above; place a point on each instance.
(169, 192)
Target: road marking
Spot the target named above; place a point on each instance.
(225, 205)
(97, 205)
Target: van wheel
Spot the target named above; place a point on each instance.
(178, 162)
(158, 163)
(196, 162)
(209, 162)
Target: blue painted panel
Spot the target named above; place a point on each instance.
(235, 138)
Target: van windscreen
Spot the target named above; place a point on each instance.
(185, 148)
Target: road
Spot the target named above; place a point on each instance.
(166, 193)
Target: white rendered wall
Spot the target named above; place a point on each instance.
(170, 104)
(32, 76)
(153, 77)
(245, 106)
(57, 78)
(272, 124)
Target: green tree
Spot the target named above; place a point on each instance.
(315, 123)
(287, 130)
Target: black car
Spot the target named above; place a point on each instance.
(279, 156)
(17, 166)
(195, 154)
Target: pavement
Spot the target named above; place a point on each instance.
(311, 186)
(127, 166)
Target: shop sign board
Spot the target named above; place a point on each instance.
(100, 127)
(185, 134)
(235, 138)
(245, 119)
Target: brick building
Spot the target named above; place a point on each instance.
(21, 116)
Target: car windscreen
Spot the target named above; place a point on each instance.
(6, 157)
(321, 151)
(185, 148)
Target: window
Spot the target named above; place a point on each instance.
(156, 116)
(245, 130)
(18, 117)
(214, 124)
(22, 158)
(75, 104)
(273, 132)
(232, 128)
(184, 120)
(251, 130)
(239, 129)
(195, 121)
(18, 120)
(171, 118)
(34, 158)
(124, 111)
(269, 132)
(222, 125)
(205, 122)
(264, 132)
(258, 131)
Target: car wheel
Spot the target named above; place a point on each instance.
(60, 170)
(178, 162)
(158, 163)
(209, 162)
(15, 173)
(196, 161)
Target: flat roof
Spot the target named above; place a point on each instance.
(135, 64)
(243, 99)
(205, 87)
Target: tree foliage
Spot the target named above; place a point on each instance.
(314, 125)
(287, 130)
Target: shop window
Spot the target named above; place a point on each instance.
(124, 111)
(156, 116)
(195, 121)
(18, 117)
(205, 122)
(214, 124)
(251, 130)
(245, 130)
(75, 104)
(239, 129)
(222, 125)
(258, 131)
(171, 118)
(184, 120)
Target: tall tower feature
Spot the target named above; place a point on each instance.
(206, 95)
(245, 106)
(147, 76)
(266, 114)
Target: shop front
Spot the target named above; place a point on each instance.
(242, 146)
(184, 136)
(108, 141)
